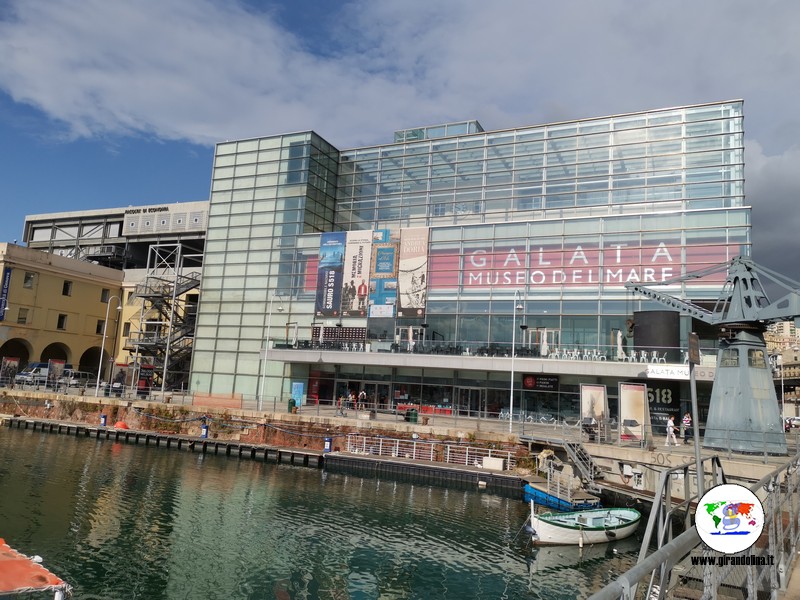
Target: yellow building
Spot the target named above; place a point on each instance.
(58, 308)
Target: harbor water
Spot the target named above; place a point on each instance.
(125, 521)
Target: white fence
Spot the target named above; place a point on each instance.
(454, 454)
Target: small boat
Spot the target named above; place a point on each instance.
(20, 574)
(581, 527)
(569, 500)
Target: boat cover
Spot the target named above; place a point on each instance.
(20, 574)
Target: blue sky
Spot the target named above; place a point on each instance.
(106, 103)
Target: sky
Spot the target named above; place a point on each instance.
(110, 103)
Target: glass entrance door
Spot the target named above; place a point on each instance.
(377, 395)
(410, 338)
(470, 402)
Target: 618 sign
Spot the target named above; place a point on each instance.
(659, 395)
(664, 398)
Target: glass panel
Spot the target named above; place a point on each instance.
(249, 157)
(632, 136)
(594, 141)
(663, 133)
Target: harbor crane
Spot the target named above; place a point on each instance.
(744, 414)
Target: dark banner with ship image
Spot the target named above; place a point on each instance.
(329, 274)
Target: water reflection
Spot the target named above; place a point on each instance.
(120, 521)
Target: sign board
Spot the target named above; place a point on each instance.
(694, 349)
(547, 383)
(297, 392)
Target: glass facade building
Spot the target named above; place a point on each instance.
(559, 216)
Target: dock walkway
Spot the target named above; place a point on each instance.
(295, 456)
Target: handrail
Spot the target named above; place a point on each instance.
(667, 556)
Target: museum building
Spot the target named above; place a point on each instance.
(453, 267)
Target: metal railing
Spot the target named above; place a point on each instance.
(686, 568)
(654, 437)
(565, 351)
(424, 450)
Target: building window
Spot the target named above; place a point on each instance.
(99, 329)
(126, 329)
(27, 282)
(104, 295)
(66, 290)
(62, 322)
(22, 316)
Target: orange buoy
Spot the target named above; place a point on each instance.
(121, 425)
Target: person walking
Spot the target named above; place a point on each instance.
(687, 427)
(671, 439)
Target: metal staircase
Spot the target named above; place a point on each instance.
(166, 324)
(589, 469)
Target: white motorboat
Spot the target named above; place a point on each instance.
(581, 527)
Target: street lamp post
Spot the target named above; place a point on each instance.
(783, 402)
(103, 343)
(514, 310)
(265, 354)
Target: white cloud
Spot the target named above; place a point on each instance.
(203, 71)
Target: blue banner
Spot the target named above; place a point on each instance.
(383, 275)
(4, 292)
(297, 392)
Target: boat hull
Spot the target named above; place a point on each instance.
(542, 498)
(585, 527)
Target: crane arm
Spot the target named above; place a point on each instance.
(683, 306)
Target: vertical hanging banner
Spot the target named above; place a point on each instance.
(412, 272)
(4, 292)
(355, 288)
(383, 275)
(329, 273)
